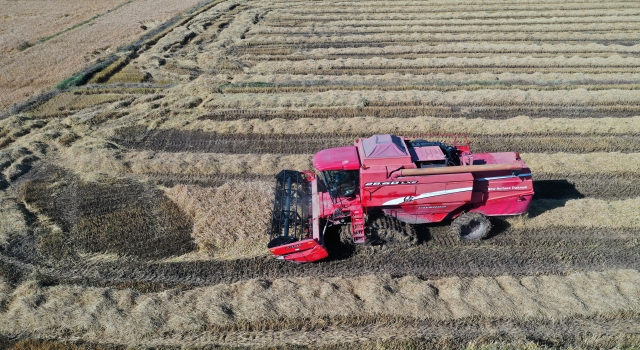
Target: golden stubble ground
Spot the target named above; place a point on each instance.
(40, 67)
(136, 215)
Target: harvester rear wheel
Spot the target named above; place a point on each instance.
(471, 226)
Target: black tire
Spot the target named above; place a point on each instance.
(346, 237)
(471, 226)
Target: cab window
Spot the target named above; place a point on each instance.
(341, 183)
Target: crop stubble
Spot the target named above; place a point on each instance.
(158, 201)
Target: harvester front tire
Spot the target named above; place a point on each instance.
(471, 227)
(346, 238)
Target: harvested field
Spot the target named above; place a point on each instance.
(39, 68)
(21, 24)
(135, 198)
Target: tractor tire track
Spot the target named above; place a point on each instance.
(174, 140)
(515, 252)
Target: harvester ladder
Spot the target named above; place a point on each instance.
(357, 226)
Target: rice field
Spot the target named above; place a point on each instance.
(134, 203)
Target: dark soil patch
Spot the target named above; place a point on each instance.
(120, 216)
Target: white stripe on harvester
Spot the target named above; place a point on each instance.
(501, 177)
(426, 195)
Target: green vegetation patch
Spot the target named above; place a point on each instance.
(84, 76)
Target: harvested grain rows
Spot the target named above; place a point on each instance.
(135, 210)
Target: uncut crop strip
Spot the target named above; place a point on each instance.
(441, 3)
(455, 4)
(453, 99)
(394, 14)
(293, 14)
(492, 48)
(405, 41)
(279, 52)
(444, 88)
(498, 61)
(398, 39)
(286, 54)
(282, 20)
(348, 29)
(448, 3)
(451, 70)
(481, 12)
(436, 79)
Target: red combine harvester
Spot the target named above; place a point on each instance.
(413, 180)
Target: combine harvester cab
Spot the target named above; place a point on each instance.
(413, 180)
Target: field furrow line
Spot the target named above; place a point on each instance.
(175, 140)
(459, 98)
(397, 39)
(493, 48)
(328, 7)
(423, 125)
(422, 70)
(462, 62)
(452, 70)
(489, 48)
(274, 20)
(379, 44)
(408, 28)
(287, 54)
(455, 3)
(452, 111)
(395, 14)
(589, 86)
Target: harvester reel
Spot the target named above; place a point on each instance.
(471, 226)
